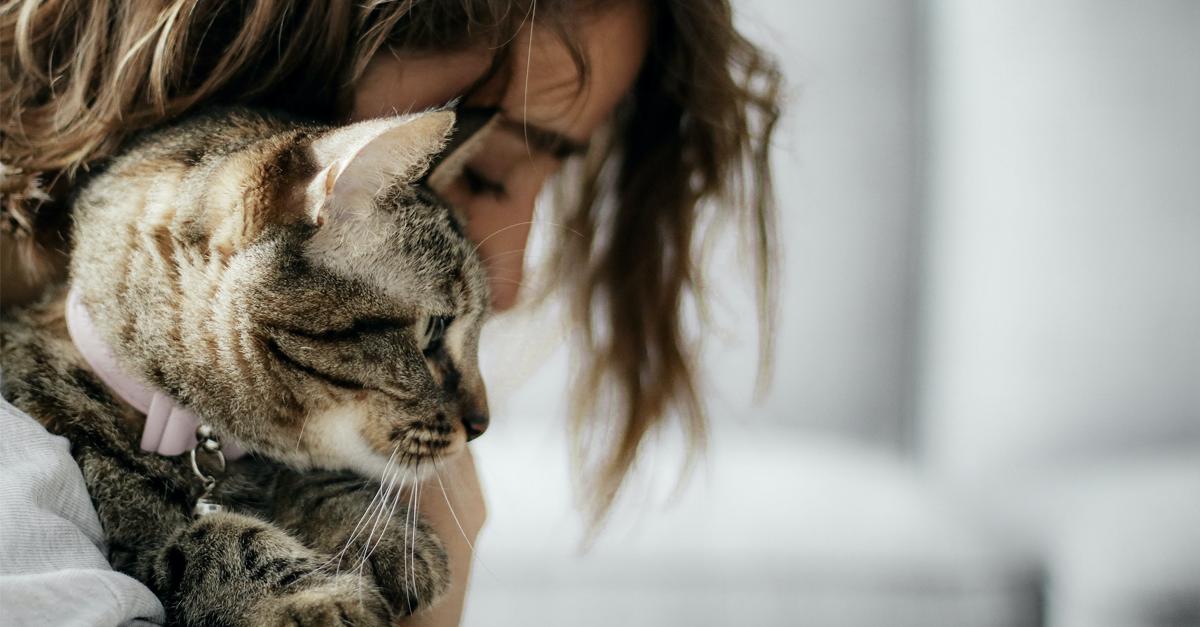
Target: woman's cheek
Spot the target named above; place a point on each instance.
(501, 229)
(500, 225)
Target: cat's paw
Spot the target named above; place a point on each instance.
(411, 569)
(343, 601)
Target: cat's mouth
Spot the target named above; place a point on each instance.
(416, 444)
(355, 437)
(427, 440)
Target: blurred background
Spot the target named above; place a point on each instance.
(986, 401)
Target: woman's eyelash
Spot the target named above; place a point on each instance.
(478, 184)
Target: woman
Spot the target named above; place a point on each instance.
(657, 109)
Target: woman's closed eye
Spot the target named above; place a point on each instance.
(479, 185)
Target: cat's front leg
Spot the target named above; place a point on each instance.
(366, 529)
(230, 569)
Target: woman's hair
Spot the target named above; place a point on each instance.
(688, 147)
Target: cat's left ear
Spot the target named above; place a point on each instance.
(361, 160)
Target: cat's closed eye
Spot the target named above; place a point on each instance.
(431, 330)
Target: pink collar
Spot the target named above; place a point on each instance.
(170, 428)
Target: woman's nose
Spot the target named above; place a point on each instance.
(500, 228)
(501, 231)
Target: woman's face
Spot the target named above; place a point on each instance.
(544, 119)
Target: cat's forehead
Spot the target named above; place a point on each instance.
(401, 248)
(373, 225)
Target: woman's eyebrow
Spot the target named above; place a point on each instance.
(543, 139)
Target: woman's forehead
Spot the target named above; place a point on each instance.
(541, 86)
(545, 87)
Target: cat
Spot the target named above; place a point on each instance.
(299, 289)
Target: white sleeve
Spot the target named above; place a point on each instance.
(52, 565)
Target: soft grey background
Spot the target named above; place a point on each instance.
(986, 404)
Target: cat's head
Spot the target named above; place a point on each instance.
(358, 291)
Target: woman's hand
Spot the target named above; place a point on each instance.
(456, 510)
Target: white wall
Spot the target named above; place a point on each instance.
(1063, 268)
(846, 166)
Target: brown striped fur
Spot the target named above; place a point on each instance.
(275, 277)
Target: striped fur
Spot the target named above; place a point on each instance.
(275, 277)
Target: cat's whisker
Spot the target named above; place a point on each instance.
(303, 424)
(389, 470)
(383, 507)
(369, 548)
(499, 231)
(416, 513)
(408, 588)
(515, 251)
(526, 223)
(528, 66)
(405, 573)
(450, 507)
(393, 494)
(376, 519)
(391, 512)
(458, 524)
(508, 280)
(412, 560)
(413, 547)
(559, 225)
(366, 513)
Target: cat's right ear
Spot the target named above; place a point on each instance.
(362, 160)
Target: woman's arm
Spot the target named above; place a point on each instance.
(52, 570)
(456, 500)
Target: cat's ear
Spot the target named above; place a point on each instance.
(363, 159)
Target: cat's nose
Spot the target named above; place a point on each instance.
(475, 424)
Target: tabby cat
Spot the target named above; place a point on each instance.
(297, 288)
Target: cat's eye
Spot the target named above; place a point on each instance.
(431, 331)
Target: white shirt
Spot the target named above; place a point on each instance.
(52, 565)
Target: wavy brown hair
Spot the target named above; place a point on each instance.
(687, 149)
